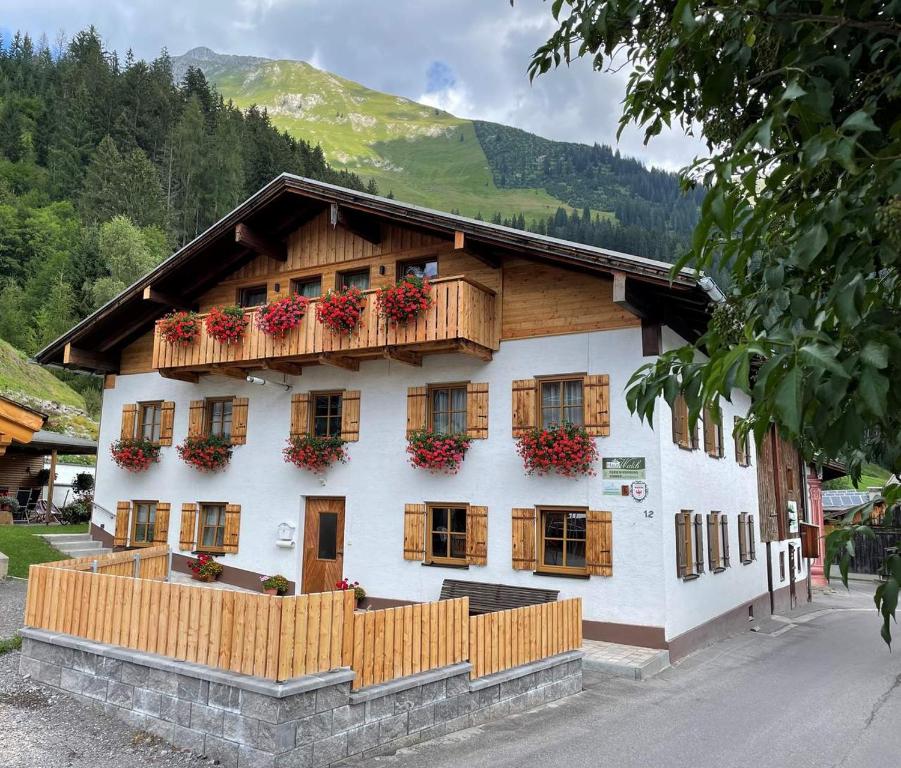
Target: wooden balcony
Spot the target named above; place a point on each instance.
(462, 318)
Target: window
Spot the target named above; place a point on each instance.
(150, 416)
(357, 279)
(561, 402)
(447, 535)
(782, 566)
(717, 542)
(212, 527)
(746, 545)
(143, 521)
(219, 417)
(689, 545)
(742, 446)
(447, 409)
(309, 287)
(683, 435)
(254, 296)
(326, 414)
(425, 268)
(563, 541)
(328, 536)
(713, 435)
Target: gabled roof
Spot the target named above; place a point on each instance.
(18, 423)
(289, 201)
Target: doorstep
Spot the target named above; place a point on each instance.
(633, 661)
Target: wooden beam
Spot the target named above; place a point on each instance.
(476, 350)
(651, 338)
(126, 330)
(260, 243)
(483, 253)
(459, 240)
(340, 361)
(192, 377)
(626, 294)
(291, 369)
(166, 299)
(51, 480)
(359, 223)
(83, 358)
(402, 356)
(229, 371)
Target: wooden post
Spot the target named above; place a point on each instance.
(50, 483)
(95, 565)
(137, 566)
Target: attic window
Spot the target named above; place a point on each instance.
(253, 296)
(357, 279)
(423, 268)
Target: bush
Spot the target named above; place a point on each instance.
(76, 512)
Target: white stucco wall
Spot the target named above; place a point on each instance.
(378, 481)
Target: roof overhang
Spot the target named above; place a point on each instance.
(18, 423)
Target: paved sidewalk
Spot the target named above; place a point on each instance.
(632, 661)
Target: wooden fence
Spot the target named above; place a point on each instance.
(506, 639)
(144, 563)
(397, 642)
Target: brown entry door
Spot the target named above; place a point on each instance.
(323, 544)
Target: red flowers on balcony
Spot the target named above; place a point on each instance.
(278, 317)
(340, 311)
(206, 454)
(180, 328)
(135, 455)
(436, 452)
(315, 454)
(226, 324)
(564, 448)
(407, 299)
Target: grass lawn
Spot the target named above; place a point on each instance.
(23, 546)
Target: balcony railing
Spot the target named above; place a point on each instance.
(460, 318)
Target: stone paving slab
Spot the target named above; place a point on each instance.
(632, 661)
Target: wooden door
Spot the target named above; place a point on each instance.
(323, 544)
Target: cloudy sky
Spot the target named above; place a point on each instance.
(466, 56)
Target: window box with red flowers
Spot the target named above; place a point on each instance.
(279, 317)
(207, 454)
(205, 568)
(565, 449)
(436, 452)
(410, 297)
(135, 455)
(226, 324)
(180, 328)
(341, 311)
(315, 454)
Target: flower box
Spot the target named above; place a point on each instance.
(205, 568)
(226, 324)
(341, 311)
(315, 454)
(565, 449)
(134, 454)
(206, 454)
(400, 304)
(436, 452)
(279, 317)
(180, 328)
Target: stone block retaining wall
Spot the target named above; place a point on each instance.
(317, 720)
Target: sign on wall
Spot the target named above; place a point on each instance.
(624, 476)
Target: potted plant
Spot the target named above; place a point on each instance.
(205, 568)
(437, 452)
(226, 324)
(180, 328)
(279, 317)
(565, 449)
(207, 454)
(275, 585)
(359, 592)
(315, 454)
(9, 504)
(341, 311)
(135, 454)
(409, 297)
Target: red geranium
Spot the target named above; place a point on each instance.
(180, 328)
(316, 454)
(404, 301)
(564, 448)
(226, 324)
(206, 453)
(436, 452)
(135, 455)
(340, 311)
(278, 317)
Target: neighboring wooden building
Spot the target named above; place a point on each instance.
(523, 331)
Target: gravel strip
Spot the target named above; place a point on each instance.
(12, 605)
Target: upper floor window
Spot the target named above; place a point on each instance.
(219, 417)
(689, 545)
(683, 435)
(562, 541)
(252, 296)
(561, 402)
(309, 287)
(742, 446)
(326, 413)
(424, 268)
(143, 520)
(447, 535)
(713, 435)
(447, 409)
(150, 417)
(358, 278)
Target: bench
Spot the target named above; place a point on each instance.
(488, 598)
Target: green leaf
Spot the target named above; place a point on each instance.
(821, 356)
(873, 390)
(859, 121)
(787, 399)
(793, 91)
(809, 245)
(876, 354)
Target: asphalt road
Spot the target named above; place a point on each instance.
(825, 693)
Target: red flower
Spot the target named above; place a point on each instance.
(437, 452)
(280, 316)
(316, 454)
(206, 453)
(135, 455)
(226, 324)
(565, 449)
(181, 328)
(403, 302)
(341, 311)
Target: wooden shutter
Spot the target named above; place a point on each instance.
(161, 526)
(752, 552)
(350, 415)
(239, 421)
(742, 446)
(713, 540)
(414, 531)
(596, 399)
(477, 411)
(195, 418)
(524, 558)
(680, 422)
(123, 524)
(300, 414)
(724, 531)
(709, 434)
(232, 527)
(525, 406)
(699, 544)
(477, 535)
(599, 543)
(743, 538)
(167, 421)
(188, 536)
(683, 545)
(129, 421)
(417, 409)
